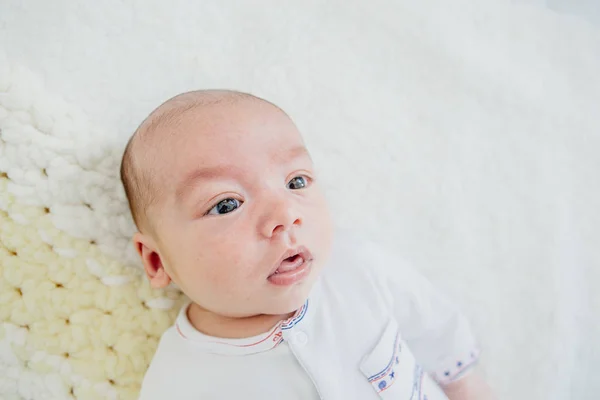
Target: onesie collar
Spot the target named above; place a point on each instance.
(245, 346)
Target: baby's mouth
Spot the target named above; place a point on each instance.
(291, 261)
(289, 264)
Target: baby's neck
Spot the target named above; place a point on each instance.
(215, 325)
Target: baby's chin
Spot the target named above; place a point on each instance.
(290, 301)
(286, 307)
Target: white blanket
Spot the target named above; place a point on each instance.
(464, 134)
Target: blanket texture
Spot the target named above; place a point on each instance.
(75, 320)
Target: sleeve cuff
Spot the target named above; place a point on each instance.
(454, 369)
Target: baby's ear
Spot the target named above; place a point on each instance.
(153, 264)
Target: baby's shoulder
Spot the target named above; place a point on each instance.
(355, 263)
(355, 256)
(176, 370)
(361, 265)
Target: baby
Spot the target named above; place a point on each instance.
(228, 207)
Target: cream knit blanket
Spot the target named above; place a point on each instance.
(76, 319)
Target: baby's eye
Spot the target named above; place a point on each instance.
(224, 207)
(299, 182)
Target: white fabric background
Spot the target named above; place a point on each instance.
(464, 134)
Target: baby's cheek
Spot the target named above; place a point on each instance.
(220, 272)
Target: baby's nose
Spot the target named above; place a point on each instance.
(280, 217)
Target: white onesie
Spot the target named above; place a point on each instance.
(372, 328)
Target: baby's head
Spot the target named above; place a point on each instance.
(222, 189)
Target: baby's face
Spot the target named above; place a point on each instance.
(243, 227)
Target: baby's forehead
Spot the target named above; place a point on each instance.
(188, 125)
(171, 125)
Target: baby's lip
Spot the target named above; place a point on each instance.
(301, 251)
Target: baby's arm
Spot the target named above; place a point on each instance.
(435, 330)
(470, 387)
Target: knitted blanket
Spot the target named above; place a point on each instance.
(76, 320)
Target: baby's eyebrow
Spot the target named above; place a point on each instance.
(219, 171)
(206, 173)
(293, 153)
